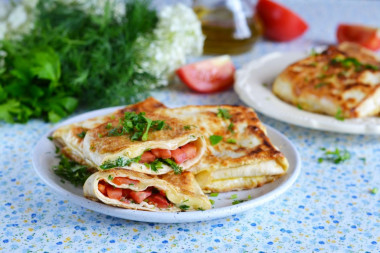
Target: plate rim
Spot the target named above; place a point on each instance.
(169, 217)
(295, 116)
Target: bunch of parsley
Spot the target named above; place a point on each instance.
(74, 57)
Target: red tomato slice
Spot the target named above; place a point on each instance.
(161, 153)
(102, 187)
(179, 155)
(114, 193)
(124, 180)
(139, 197)
(147, 157)
(365, 36)
(126, 193)
(280, 23)
(158, 200)
(212, 75)
(190, 149)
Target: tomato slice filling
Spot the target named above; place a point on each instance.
(151, 195)
(179, 155)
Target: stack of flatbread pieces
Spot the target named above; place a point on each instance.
(149, 157)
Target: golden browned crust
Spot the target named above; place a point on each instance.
(318, 84)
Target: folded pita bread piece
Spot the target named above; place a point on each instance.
(70, 137)
(146, 142)
(239, 154)
(134, 190)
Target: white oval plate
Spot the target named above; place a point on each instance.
(44, 158)
(250, 86)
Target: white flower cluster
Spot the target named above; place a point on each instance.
(16, 17)
(178, 35)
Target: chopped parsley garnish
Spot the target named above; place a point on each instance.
(177, 169)
(212, 201)
(299, 107)
(188, 127)
(237, 201)
(109, 125)
(313, 52)
(319, 85)
(337, 156)
(339, 115)
(374, 190)
(214, 194)
(184, 207)
(265, 85)
(100, 135)
(136, 126)
(223, 113)
(233, 196)
(110, 178)
(232, 141)
(119, 162)
(352, 62)
(155, 165)
(215, 139)
(50, 138)
(82, 134)
(71, 171)
(231, 127)
(249, 197)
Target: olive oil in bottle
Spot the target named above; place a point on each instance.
(219, 26)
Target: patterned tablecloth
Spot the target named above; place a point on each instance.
(329, 208)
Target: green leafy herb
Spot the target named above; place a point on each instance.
(155, 165)
(71, 52)
(352, 62)
(136, 126)
(212, 201)
(109, 125)
(265, 85)
(249, 197)
(374, 190)
(214, 194)
(313, 52)
(319, 85)
(233, 196)
(215, 139)
(237, 201)
(177, 169)
(363, 159)
(119, 162)
(231, 127)
(200, 209)
(337, 156)
(299, 107)
(82, 134)
(223, 113)
(232, 141)
(110, 178)
(339, 115)
(71, 171)
(184, 207)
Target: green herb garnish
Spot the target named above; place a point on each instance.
(232, 141)
(71, 171)
(188, 127)
(352, 62)
(184, 207)
(374, 190)
(177, 169)
(223, 113)
(214, 194)
(110, 178)
(237, 201)
(299, 107)
(136, 126)
(215, 139)
(249, 197)
(363, 159)
(319, 85)
(119, 162)
(155, 165)
(337, 156)
(82, 134)
(339, 115)
(212, 201)
(231, 127)
(109, 125)
(233, 196)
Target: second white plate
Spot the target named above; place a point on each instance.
(253, 85)
(44, 158)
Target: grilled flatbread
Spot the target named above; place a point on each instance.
(342, 81)
(70, 137)
(134, 190)
(99, 149)
(245, 157)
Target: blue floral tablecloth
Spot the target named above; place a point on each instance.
(330, 208)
